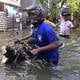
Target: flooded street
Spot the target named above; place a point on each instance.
(69, 64)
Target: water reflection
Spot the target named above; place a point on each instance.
(69, 64)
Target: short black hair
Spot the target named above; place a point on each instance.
(47, 17)
(65, 14)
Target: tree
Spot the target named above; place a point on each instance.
(75, 8)
(51, 7)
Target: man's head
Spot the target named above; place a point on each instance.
(65, 14)
(35, 15)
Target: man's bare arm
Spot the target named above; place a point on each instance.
(26, 38)
(49, 47)
(45, 48)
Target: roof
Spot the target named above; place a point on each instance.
(11, 2)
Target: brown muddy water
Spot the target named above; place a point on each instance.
(68, 68)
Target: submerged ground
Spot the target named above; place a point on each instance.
(69, 64)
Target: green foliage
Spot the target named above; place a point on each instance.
(75, 7)
(52, 9)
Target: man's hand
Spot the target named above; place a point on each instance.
(35, 51)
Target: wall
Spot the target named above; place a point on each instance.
(3, 23)
(26, 3)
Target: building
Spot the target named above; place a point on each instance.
(9, 5)
(8, 10)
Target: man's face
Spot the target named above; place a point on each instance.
(32, 16)
(65, 18)
(34, 19)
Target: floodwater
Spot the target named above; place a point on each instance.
(68, 68)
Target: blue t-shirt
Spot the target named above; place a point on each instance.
(44, 36)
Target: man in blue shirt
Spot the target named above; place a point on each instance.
(45, 37)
